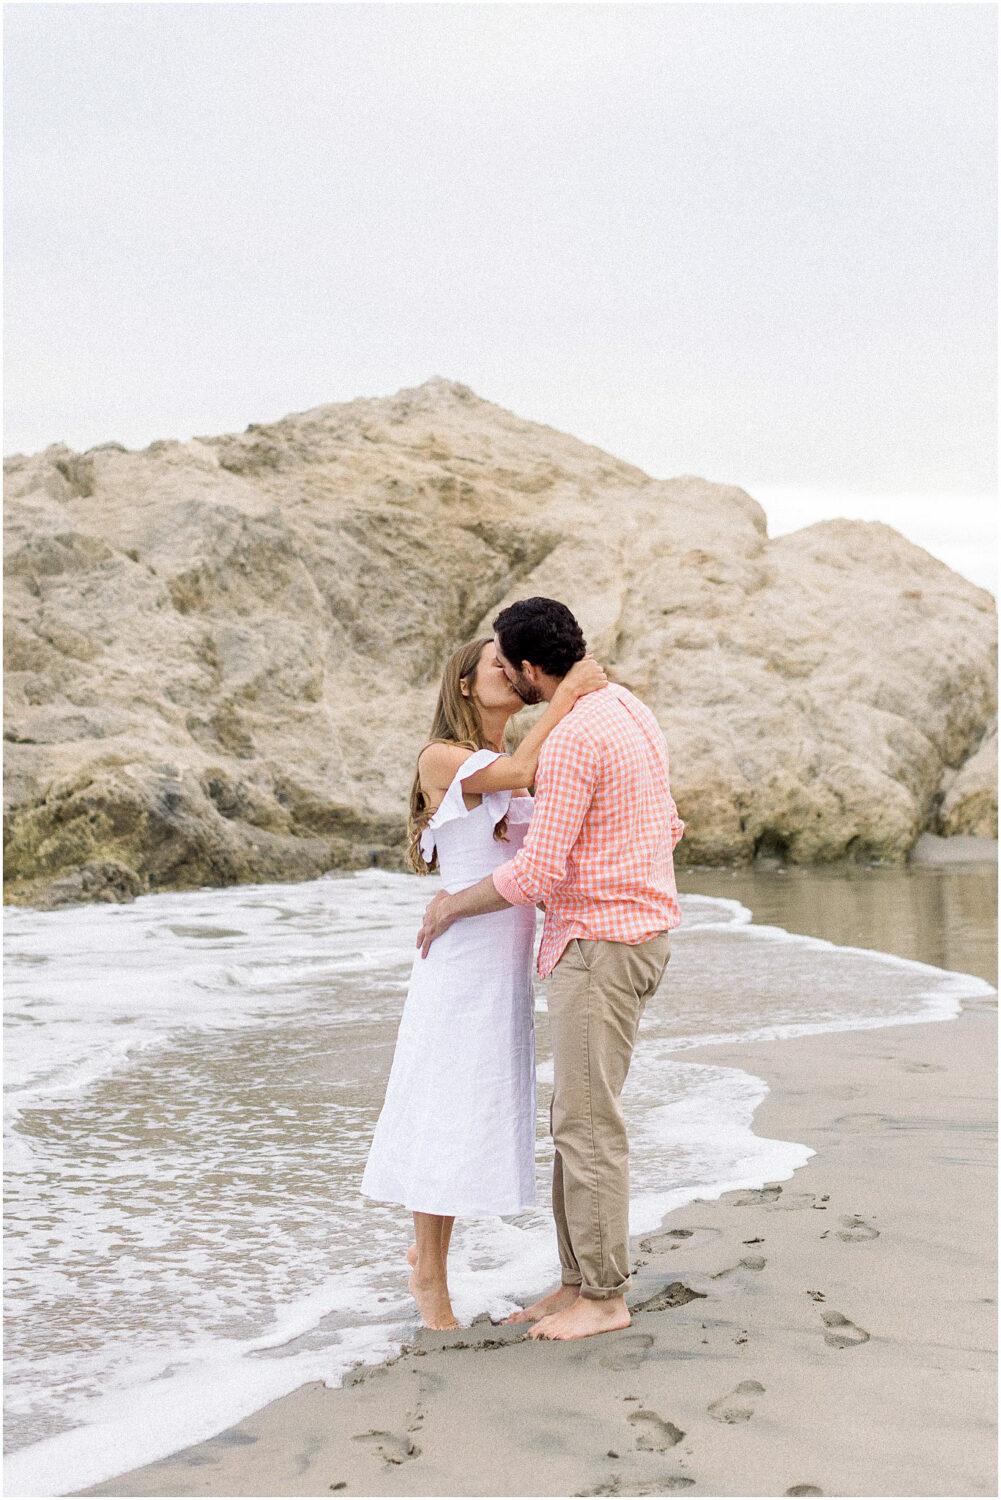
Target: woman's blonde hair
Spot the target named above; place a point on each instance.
(456, 722)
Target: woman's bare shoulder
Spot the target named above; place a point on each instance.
(439, 761)
(443, 753)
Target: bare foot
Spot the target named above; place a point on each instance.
(412, 1256)
(432, 1302)
(587, 1316)
(564, 1296)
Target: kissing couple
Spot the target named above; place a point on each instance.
(594, 848)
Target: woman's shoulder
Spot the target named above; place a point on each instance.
(442, 756)
(441, 762)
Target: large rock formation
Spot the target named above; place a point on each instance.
(222, 654)
(969, 804)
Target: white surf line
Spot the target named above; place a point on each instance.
(124, 1430)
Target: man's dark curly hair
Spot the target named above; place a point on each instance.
(540, 631)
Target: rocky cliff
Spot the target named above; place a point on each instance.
(222, 654)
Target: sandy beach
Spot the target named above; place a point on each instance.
(832, 1334)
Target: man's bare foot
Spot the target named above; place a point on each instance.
(564, 1296)
(587, 1316)
(412, 1256)
(432, 1302)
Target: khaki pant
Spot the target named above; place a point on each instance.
(597, 995)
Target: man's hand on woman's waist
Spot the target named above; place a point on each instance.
(447, 908)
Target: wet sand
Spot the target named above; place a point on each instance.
(832, 1334)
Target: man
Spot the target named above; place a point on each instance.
(599, 856)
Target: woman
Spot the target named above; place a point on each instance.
(457, 1129)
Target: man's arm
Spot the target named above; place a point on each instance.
(564, 791)
(446, 909)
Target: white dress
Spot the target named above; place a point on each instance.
(457, 1130)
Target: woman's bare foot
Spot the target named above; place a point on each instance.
(432, 1302)
(412, 1256)
(564, 1296)
(587, 1316)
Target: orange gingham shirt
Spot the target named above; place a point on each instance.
(599, 849)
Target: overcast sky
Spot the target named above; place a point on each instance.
(754, 242)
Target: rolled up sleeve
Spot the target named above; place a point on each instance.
(564, 787)
(506, 884)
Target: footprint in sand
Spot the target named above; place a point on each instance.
(863, 1121)
(666, 1486)
(671, 1239)
(674, 1294)
(773, 1197)
(746, 1263)
(755, 1198)
(653, 1434)
(390, 1447)
(736, 1407)
(796, 1200)
(856, 1229)
(842, 1333)
(627, 1353)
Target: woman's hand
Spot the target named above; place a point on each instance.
(583, 677)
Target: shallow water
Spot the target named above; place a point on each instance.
(192, 1084)
(939, 914)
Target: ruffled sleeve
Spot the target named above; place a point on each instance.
(452, 805)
